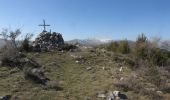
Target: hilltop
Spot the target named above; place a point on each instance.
(82, 75)
(56, 70)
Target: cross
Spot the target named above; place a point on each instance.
(44, 25)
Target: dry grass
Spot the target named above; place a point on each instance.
(77, 80)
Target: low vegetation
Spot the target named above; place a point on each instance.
(141, 71)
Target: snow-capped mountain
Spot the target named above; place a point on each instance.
(89, 42)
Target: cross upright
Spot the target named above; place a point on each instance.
(44, 25)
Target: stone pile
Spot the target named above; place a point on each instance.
(47, 41)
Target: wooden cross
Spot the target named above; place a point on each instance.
(44, 25)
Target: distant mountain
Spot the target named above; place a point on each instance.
(88, 42)
(94, 42)
(2, 43)
(165, 45)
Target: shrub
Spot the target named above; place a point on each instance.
(120, 47)
(67, 47)
(10, 50)
(153, 75)
(141, 47)
(113, 46)
(130, 83)
(159, 57)
(124, 47)
(25, 46)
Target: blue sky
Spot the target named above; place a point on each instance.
(101, 19)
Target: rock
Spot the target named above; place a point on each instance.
(150, 89)
(36, 75)
(159, 92)
(73, 56)
(101, 96)
(122, 97)
(6, 97)
(89, 68)
(121, 69)
(88, 98)
(52, 85)
(77, 62)
(47, 41)
(121, 79)
(111, 96)
(116, 95)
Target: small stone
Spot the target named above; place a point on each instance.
(87, 98)
(121, 69)
(116, 93)
(36, 54)
(101, 96)
(159, 92)
(77, 62)
(89, 68)
(121, 79)
(150, 89)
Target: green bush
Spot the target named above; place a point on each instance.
(113, 46)
(124, 47)
(120, 47)
(159, 57)
(141, 47)
(25, 46)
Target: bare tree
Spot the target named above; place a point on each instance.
(10, 51)
(10, 37)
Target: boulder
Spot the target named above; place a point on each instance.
(36, 75)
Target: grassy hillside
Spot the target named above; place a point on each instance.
(82, 75)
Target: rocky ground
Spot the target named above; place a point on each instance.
(89, 74)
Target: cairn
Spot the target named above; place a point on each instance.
(47, 41)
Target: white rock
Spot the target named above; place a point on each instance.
(121, 79)
(159, 92)
(77, 61)
(89, 68)
(73, 56)
(121, 69)
(111, 96)
(116, 93)
(101, 96)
